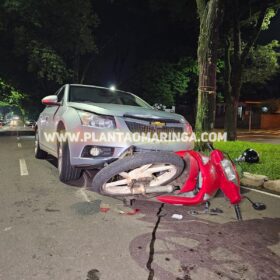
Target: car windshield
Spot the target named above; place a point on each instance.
(103, 95)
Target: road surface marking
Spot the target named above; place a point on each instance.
(19, 145)
(266, 193)
(23, 167)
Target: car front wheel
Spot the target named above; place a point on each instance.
(66, 171)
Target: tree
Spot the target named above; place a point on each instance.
(160, 81)
(210, 14)
(51, 38)
(10, 97)
(247, 19)
(262, 63)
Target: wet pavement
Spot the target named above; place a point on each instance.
(49, 230)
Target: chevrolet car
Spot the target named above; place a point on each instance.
(85, 112)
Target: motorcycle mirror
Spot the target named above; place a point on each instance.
(259, 206)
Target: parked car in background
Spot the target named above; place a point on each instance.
(86, 109)
(14, 121)
(30, 123)
(2, 122)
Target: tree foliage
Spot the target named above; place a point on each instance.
(262, 63)
(160, 81)
(51, 37)
(47, 64)
(9, 96)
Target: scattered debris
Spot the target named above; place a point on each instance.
(193, 212)
(132, 212)
(93, 274)
(52, 210)
(212, 211)
(7, 228)
(216, 211)
(104, 210)
(177, 216)
(104, 207)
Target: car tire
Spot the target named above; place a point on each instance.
(39, 153)
(135, 161)
(66, 171)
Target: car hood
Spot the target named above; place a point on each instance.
(119, 110)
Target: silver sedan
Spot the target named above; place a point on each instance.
(87, 126)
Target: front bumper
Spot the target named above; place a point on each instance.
(119, 147)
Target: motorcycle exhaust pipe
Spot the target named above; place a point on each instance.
(141, 189)
(160, 189)
(150, 190)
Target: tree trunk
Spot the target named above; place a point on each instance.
(210, 18)
(231, 109)
(239, 58)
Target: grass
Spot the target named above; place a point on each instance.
(269, 164)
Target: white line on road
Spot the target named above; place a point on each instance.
(19, 145)
(266, 193)
(23, 167)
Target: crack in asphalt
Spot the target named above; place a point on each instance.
(152, 245)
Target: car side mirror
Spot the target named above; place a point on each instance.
(50, 100)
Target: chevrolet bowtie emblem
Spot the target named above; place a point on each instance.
(158, 124)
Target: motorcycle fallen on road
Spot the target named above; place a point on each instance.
(182, 178)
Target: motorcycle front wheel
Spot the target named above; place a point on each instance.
(154, 168)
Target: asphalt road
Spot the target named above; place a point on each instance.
(49, 230)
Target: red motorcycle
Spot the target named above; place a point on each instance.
(182, 178)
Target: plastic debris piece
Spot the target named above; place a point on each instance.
(104, 209)
(177, 216)
(216, 211)
(132, 212)
(193, 212)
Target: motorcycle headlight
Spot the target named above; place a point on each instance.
(229, 170)
(96, 121)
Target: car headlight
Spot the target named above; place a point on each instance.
(229, 170)
(96, 121)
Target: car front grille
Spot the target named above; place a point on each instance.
(148, 129)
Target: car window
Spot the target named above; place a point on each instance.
(103, 95)
(60, 95)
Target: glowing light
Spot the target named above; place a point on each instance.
(112, 88)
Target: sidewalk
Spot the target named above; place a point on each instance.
(271, 136)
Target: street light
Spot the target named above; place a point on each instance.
(112, 88)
